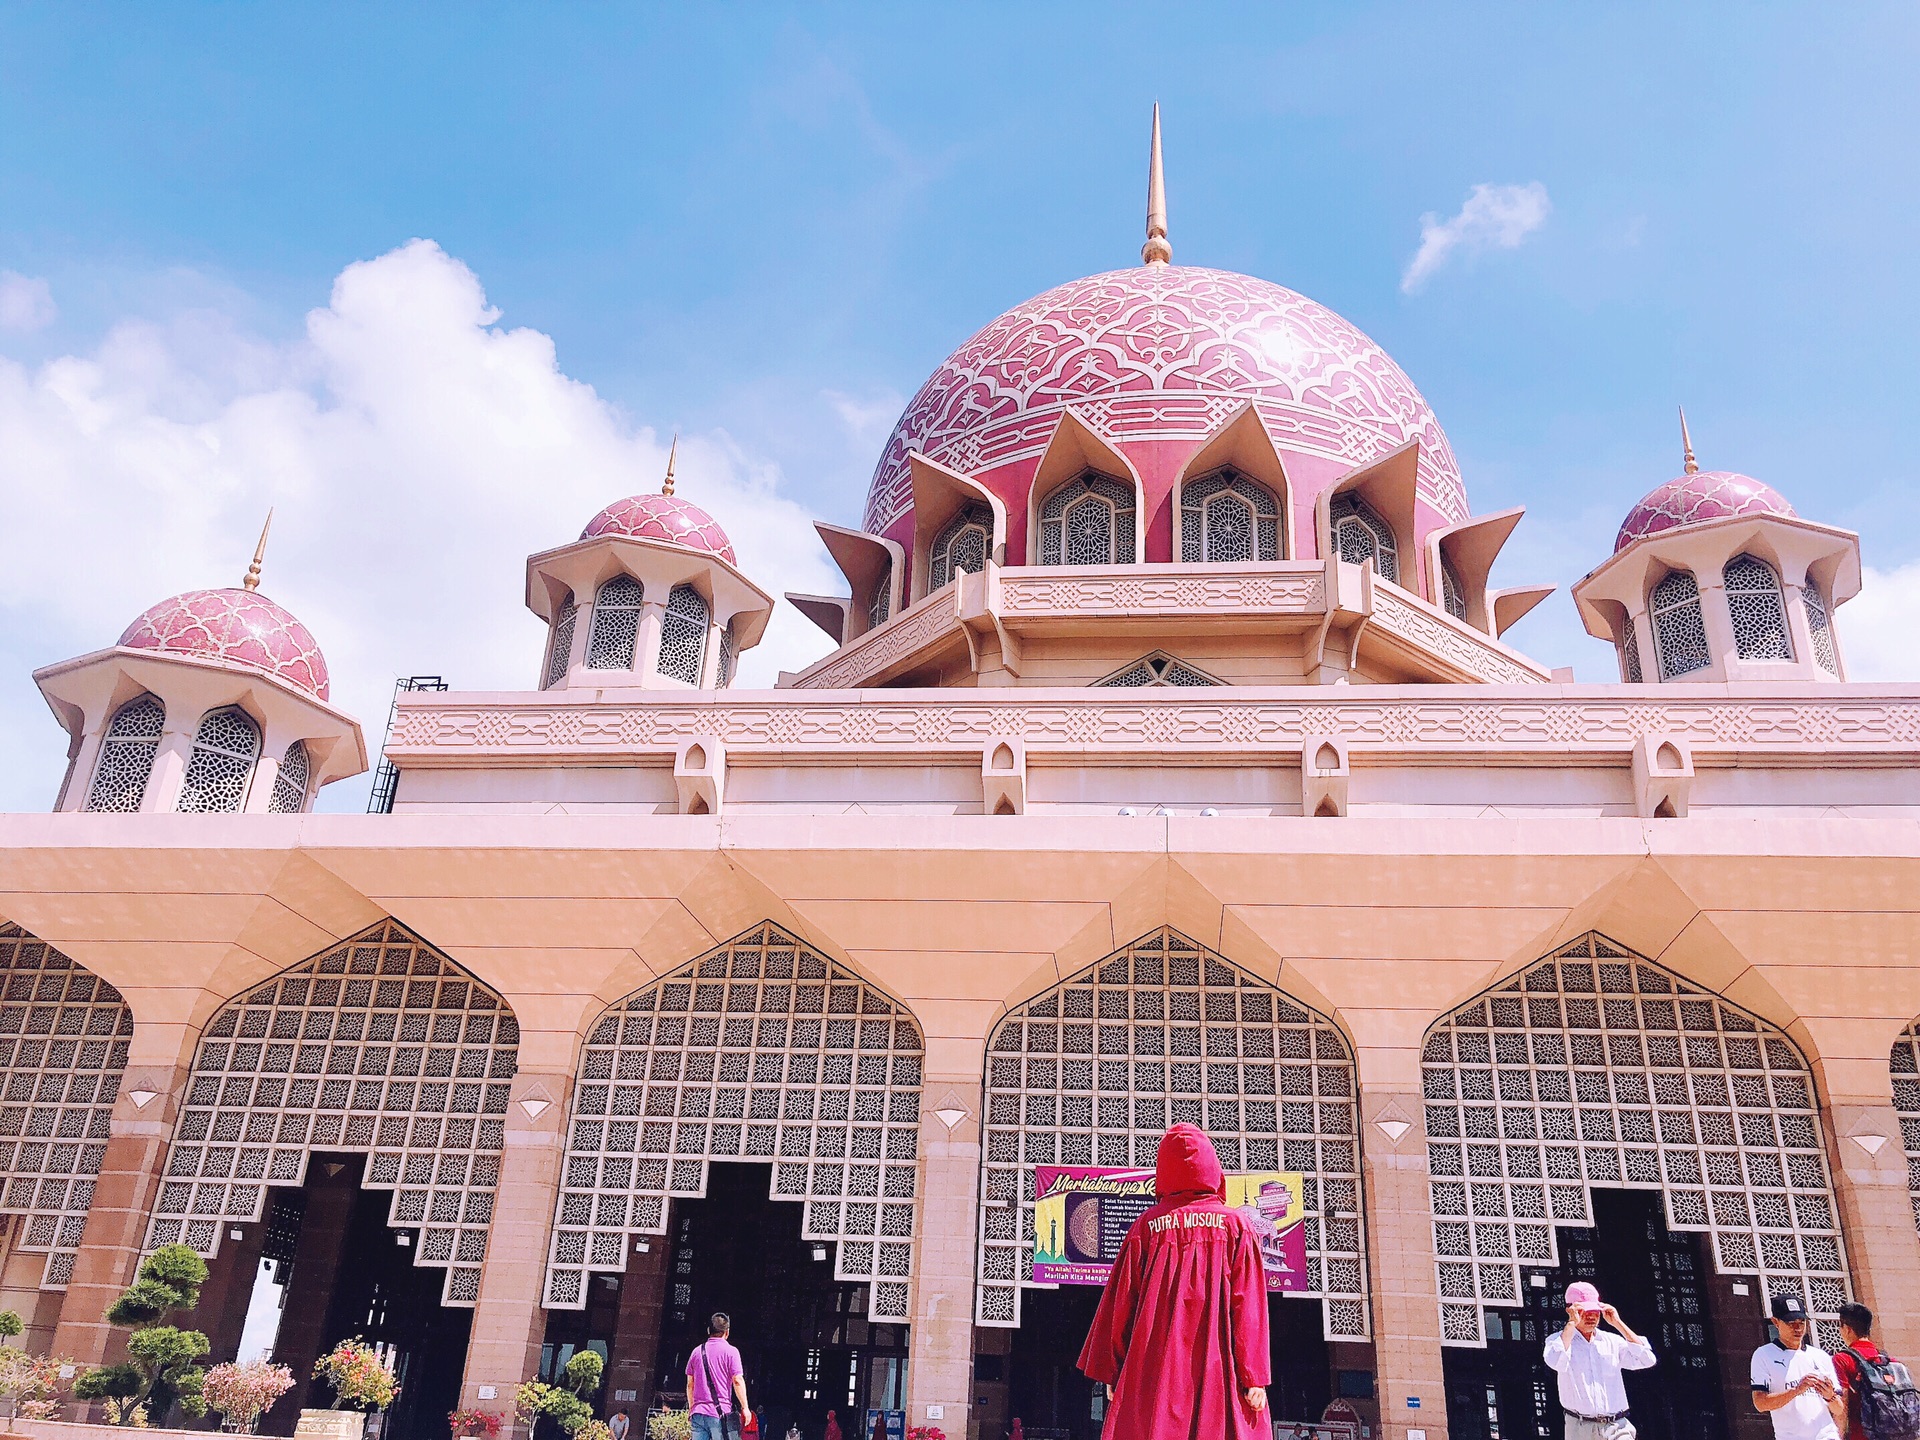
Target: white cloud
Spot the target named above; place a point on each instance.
(1878, 640)
(868, 422)
(26, 303)
(415, 453)
(1494, 217)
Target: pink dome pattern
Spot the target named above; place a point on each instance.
(238, 627)
(1692, 499)
(666, 518)
(1165, 352)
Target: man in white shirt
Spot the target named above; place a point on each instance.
(1589, 1363)
(1793, 1378)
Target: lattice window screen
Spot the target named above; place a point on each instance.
(1597, 1067)
(1821, 628)
(1095, 1070)
(683, 634)
(63, 1046)
(1453, 595)
(1906, 1099)
(616, 625)
(1226, 517)
(1629, 653)
(882, 605)
(728, 655)
(560, 647)
(220, 768)
(1088, 521)
(290, 785)
(382, 1045)
(1678, 629)
(126, 757)
(961, 545)
(761, 1050)
(1157, 669)
(1359, 535)
(1758, 609)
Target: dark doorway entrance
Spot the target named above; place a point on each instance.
(1054, 1401)
(1658, 1281)
(346, 1274)
(804, 1337)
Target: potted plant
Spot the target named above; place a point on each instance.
(475, 1424)
(670, 1425)
(567, 1403)
(162, 1365)
(361, 1382)
(243, 1393)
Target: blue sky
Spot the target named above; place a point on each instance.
(764, 226)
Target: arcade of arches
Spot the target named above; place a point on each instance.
(748, 1132)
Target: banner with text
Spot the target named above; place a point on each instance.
(1082, 1213)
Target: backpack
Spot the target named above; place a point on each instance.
(1888, 1399)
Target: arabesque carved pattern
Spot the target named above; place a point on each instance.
(877, 649)
(1165, 352)
(1447, 639)
(237, 627)
(877, 720)
(1131, 594)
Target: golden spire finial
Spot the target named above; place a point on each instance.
(1686, 444)
(252, 581)
(666, 486)
(1156, 251)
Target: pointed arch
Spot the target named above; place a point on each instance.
(616, 624)
(683, 634)
(380, 1044)
(760, 1050)
(121, 773)
(1597, 1067)
(220, 770)
(1092, 1071)
(1679, 631)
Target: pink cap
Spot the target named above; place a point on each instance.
(1586, 1296)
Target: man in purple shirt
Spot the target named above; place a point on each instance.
(717, 1385)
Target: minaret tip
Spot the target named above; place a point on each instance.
(1156, 251)
(252, 580)
(1686, 444)
(666, 486)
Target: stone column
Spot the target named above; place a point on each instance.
(116, 1228)
(1399, 1219)
(940, 1374)
(170, 761)
(509, 1321)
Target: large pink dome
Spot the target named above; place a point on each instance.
(1159, 352)
(666, 518)
(1691, 499)
(239, 627)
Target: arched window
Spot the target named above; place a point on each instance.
(1820, 627)
(1759, 611)
(290, 785)
(126, 757)
(221, 766)
(683, 635)
(1629, 653)
(1453, 594)
(1226, 518)
(616, 625)
(1088, 521)
(1359, 535)
(561, 645)
(1677, 627)
(962, 545)
(882, 605)
(728, 656)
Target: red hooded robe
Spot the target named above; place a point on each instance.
(1181, 1330)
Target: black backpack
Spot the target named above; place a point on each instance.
(1888, 1401)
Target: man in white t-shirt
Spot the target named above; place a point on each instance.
(1793, 1378)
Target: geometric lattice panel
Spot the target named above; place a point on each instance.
(1094, 1071)
(63, 1047)
(764, 1051)
(381, 1045)
(1596, 1067)
(1906, 1100)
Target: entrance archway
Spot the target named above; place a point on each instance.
(760, 1050)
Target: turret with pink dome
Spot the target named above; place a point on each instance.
(650, 595)
(211, 701)
(1714, 576)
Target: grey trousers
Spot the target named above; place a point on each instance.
(1578, 1429)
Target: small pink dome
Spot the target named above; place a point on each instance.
(666, 518)
(1692, 499)
(240, 627)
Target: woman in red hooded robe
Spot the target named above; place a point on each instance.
(1180, 1338)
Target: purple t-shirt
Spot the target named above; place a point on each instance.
(724, 1361)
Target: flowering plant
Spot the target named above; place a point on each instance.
(926, 1432)
(243, 1393)
(359, 1377)
(33, 1382)
(480, 1424)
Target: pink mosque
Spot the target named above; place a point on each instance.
(1169, 765)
